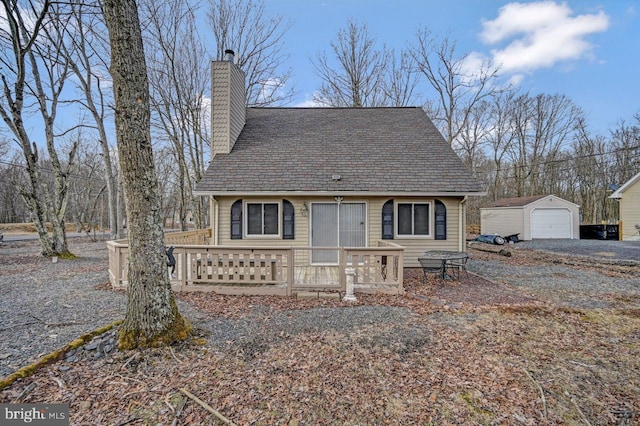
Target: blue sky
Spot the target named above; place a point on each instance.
(587, 50)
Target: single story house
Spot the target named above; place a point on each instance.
(628, 195)
(323, 178)
(538, 216)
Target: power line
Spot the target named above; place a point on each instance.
(564, 160)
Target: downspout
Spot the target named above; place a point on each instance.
(462, 223)
(215, 206)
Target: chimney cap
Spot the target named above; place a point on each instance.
(229, 55)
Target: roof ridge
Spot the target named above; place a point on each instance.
(331, 107)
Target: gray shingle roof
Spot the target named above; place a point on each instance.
(377, 150)
(515, 202)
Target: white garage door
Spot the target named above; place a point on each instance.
(551, 223)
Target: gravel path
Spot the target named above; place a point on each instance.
(586, 287)
(560, 285)
(45, 305)
(266, 327)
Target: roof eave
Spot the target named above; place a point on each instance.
(339, 193)
(617, 194)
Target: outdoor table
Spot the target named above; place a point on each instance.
(447, 257)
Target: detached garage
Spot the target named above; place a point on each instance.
(539, 216)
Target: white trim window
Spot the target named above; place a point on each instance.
(413, 219)
(262, 219)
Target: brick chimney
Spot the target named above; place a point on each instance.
(228, 103)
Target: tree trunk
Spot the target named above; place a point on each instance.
(152, 316)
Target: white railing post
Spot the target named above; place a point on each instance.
(350, 274)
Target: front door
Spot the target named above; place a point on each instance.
(337, 225)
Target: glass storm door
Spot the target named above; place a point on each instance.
(336, 225)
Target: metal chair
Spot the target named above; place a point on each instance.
(456, 265)
(432, 266)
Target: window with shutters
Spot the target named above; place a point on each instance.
(413, 219)
(262, 219)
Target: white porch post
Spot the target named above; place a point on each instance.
(350, 274)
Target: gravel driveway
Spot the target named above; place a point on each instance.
(594, 284)
(44, 305)
(615, 250)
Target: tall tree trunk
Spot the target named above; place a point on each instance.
(152, 316)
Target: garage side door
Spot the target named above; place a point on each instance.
(551, 223)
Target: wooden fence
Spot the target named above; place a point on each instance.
(272, 270)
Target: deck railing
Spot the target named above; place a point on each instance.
(197, 236)
(273, 270)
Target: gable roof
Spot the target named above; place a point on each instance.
(523, 201)
(372, 150)
(618, 192)
(515, 202)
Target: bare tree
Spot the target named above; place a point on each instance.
(179, 78)
(500, 139)
(625, 142)
(359, 73)
(88, 59)
(168, 177)
(543, 126)
(87, 189)
(356, 80)
(152, 316)
(474, 135)
(257, 39)
(459, 82)
(12, 207)
(593, 175)
(34, 67)
(400, 84)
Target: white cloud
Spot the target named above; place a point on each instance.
(472, 65)
(516, 79)
(309, 102)
(539, 35)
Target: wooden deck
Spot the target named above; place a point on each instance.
(270, 270)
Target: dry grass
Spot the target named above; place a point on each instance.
(474, 352)
(16, 229)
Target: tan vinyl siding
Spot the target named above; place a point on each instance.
(301, 224)
(374, 216)
(502, 221)
(414, 247)
(630, 212)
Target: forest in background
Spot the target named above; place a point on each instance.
(517, 143)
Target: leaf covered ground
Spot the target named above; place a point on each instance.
(472, 352)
